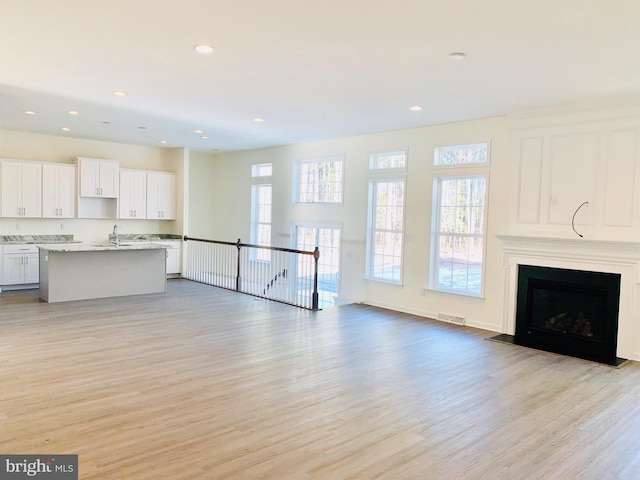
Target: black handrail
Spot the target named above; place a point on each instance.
(316, 255)
(240, 244)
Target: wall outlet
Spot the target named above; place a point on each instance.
(554, 200)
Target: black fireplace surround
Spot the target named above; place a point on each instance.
(572, 312)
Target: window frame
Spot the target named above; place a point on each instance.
(297, 179)
(392, 151)
(433, 272)
(260, 255)
(256, 167)
(376, 176)
(476, 165)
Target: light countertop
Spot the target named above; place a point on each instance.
(100, 248)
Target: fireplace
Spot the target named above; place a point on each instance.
(573, 312)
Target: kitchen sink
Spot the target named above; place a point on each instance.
(108, 245)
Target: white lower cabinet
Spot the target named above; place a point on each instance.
(20, 265)
(173, 261)
(174, 255)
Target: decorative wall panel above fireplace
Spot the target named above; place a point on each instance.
(563, 161)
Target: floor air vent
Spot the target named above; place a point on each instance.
(451, 319)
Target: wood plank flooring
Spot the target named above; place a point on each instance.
(202, 383)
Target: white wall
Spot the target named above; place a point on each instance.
(49, 148)
(228, 191)
(203, 212)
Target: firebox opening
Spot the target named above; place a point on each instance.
(572, 312)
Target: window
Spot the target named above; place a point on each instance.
(379, 161)
(320, 181)
(458, 234)
(261, 219)
(476, 153)
(385, 222)
(262, 170)
(385, 232)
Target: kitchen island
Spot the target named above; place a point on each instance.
(79, 272)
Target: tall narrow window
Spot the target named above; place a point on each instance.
(458, 234)
(386, 220)
(320, 181)
(261, 219)
(385, 232)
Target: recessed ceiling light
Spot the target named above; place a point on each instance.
(198, 131)
(415, 108)
(258, 120)
(119, 93)
(164, 142)
(29, 112)
(73, 112)
(205, 49)
(457, 56)
(65, 129)
(205, 137)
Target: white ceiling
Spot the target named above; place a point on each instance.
(311, 69)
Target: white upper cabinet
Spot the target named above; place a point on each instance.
(161, 195)
(99, 178)
(133, 194)
(21, 189)
(58, 190)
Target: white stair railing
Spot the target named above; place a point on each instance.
(280, 274)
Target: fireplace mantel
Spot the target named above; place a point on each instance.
(579, 254)
(628, 252)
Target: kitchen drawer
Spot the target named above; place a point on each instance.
(20, 248)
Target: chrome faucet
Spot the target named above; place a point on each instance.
(114, 236)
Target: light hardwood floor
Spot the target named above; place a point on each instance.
(202, 383)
